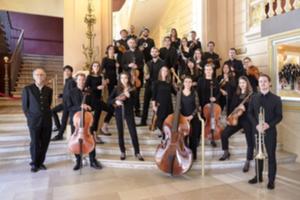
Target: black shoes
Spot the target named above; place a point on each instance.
(246, 166)
(42, 167)
(271, 185)
(34, 169)
(77, 165)
(105, 132)
(213, 144)
(95, 164)
(225, 156)
(138, 113)
(123, 156)
(57, 138)
(139, 157)
(254, 180)
(99, 140)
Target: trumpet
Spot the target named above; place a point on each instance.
(260, 147)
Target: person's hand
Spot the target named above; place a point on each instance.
(100, 87)
(147, 76)
(86, 107)
(132, 65)
(106, 81)
(127, 94)
(117, 65)
(119, 103)
(242, 107)
(262, 128)
(212, 99)
(189, 118)
(224, 93)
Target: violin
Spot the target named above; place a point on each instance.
(172, 156)
(135, 78)
(82, 141)
(212, 113)
(122, 96)
(233, 118)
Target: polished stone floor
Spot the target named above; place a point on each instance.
(60, 182)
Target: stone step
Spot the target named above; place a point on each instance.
(41, 57)
(47, 66)
(24, 80)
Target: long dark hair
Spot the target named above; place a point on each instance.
(248, 88)
(120, 87)
(91, 68)
(168, 78)
(195, 69)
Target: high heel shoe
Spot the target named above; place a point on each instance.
(225, 156)
(139, 157)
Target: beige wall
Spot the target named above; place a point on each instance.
(40, 7)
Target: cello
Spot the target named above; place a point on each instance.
(172, 156)
(212, 113)
(82, 141)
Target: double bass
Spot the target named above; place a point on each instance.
(212, 113)
(172, 156)
(82, 141)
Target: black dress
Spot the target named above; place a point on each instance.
(230, 88)
(162, 95)
(170, 56)
(109, 65)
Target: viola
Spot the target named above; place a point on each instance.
(233, 118)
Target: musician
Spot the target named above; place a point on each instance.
(192, 71)
(189, 110)
(69, 84)
(194, 43)
(272, 106)
(75, 104)
(96, 83)
(124, 112)
(204, 89)
(132, 32)
(169, 54)
(211, 55)
(154, 67)
(244, 90)
(134, 59)
(162, 97)
(36, 102)
(236, 64)
(185, 53)
(111, 68)
(145, 44)
(199, 61)
(175, 41)
(121, 45)
(228, 84)
(252, 73)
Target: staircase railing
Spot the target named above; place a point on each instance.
(16, 47)
(277, 7)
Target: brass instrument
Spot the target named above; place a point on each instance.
(260, 147)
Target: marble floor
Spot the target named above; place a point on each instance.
(60, 182)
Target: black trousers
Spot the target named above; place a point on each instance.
(270, 144)
(147, 99)
(194, 135)
(92, 154)
(64, 119)
(230, 130)
(97, 113)
(40, 135)
(129, 118)
(137, 104)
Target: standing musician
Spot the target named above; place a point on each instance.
(154, 67)
(133, 59)
(122, 98)
(189, 110)
(121, 45)
(169, 54)
(236, 64)
(175, 40)
(192, 71)
(96, 83)
(227, 83)
(199, 61)
(132, 32)
(211, 55)
(272, 106)
(252, 73)
(69, 84)
(185, 53)
(243, 93)
(204, 89)
(162, 97)
(145, 44)
(194, 43)
(74, 105)
(36, 102)
(111, 68)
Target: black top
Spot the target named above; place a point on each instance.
(69, 84)
(109, 65)
(253, 82)
(170, 56)
(273, 110)
(175, 43)
(118, 52)
(195, 74)
(92, 82)
(154, 68)
(188, 104)
(215, 57)
(203, 88)
(162, 94)
(236, 100)
(194, 45)
(229, 86)
(238, 67)
(136, 57)
(128, 103)
(36, 103)
(147, 43)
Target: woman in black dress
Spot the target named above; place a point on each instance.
(124, 111)
(110, 67)
(185, 54)
(198, 61)
(243, 91)
(96, 83)
(175, 41)
(162, 96)
(189, 110)
(192, 71)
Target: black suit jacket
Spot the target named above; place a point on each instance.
(36, 105)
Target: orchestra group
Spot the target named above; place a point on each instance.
(206, 86)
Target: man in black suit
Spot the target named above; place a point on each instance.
(169, 54)
(211, 55)
(194, 43)
(69, 84)
(237, 65)
(36, 103)
(145, 44)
